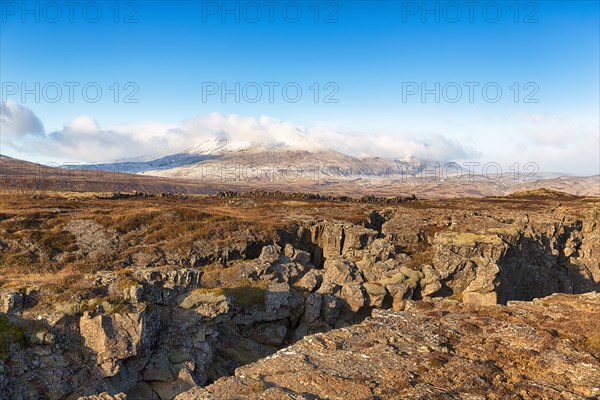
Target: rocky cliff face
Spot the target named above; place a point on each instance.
(154, 332)
(440, 349)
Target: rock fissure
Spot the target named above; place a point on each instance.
(169, 330)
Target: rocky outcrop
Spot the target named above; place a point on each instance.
(547, 349)
(11, 301)
(492, 259)
(155, 332)
(117, 337)
(330, 239)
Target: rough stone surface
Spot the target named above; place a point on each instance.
(11, 302)
(157, 320)
(117, 337)
(105, 396)
(440, 349)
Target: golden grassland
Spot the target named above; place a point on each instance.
(37, 248)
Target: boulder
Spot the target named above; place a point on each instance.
(379, 269)
(340, 271)
(375, 293)
(117, 337)
(431, 288)
(12, 302)
(394, 279)
(331, 240)
(486, 278)
(356, 240)
(382, 249)
(157, 369)
(480, 299)
(288, 250)
(311, 280)
(302, 257)
(330, 309)
(269, 255)
(270, 334)
(411, 274)
(183, 382)
(354, 295)
(162, 286)
(400, 293)
(208, 303)
(312, 312)
(288, 272)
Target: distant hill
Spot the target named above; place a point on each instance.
(305, 162)
(222, 165)
(19, 174)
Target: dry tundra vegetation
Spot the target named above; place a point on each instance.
(39, 243)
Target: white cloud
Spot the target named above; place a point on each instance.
(561, 143)
(556, 144)
(400, 145)
(548, 130)
(17, 121)
(84, 140)
(84, 125)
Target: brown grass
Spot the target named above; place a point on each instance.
(257, 387)
(419, 255)
(191, 231)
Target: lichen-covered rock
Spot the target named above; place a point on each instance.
(302, 257)
(375, 293)
(271, 333)
(168, 390)
(311, 280)
(312, 311)
(330, 309)
(400, 292)
(207, 303)
(354, 295)
(255, 298)
(330, 238)
(161, 286)
(339, 271)
(11, 302)
(287, 271)
(356, 239)
(441, 349)
(339, 239)
(269, 255)
(116, 337)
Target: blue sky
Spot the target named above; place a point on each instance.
(367, 52)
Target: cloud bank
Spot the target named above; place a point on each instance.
(18, 121)
(560, 143)
(84, 140)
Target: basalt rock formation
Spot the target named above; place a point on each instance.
(440, 349)
(158, 319)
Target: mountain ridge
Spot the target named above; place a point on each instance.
(242, 172)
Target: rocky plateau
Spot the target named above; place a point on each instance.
(283, 297)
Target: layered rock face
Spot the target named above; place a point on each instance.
(440, 349)
(153, 333)
(471, 257)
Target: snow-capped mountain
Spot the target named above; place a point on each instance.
(219, 145)
(295, 159)
(224, 144)
(299, 154)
